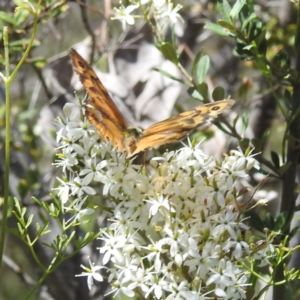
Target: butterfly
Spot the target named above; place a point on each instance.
(102, 112)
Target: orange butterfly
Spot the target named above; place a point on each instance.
(102, 112)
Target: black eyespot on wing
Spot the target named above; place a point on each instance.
(216, 108)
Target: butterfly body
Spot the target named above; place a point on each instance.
(102, 112)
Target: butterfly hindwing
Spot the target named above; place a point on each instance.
(179, 126)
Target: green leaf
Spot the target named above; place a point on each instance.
(195, 94)
(282, 61)
(39, 62)
(281, 221)
(275, 159)
(224, 9)
(248, 47)
(244, 143)
(202, 69)
(255, 221)
(227, 25)
(202, 88)
(217, 29)
(218, 93)
(237, 8)
(29, 221)
(21, 15)
(169, 75)
(269, 221)
(196, 60)
(248, 20)
(169, 52)
(294, 231)
(7, 18)
(19, 45)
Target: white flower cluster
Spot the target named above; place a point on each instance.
(162, 10)
(176, 230)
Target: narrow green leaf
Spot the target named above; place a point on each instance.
(169, 52)
(275, 159)
(17, 205)
(248, 20)
(196, 60)
(202, 69)
(29, 221)
(228, 26)
(281, 221)
(224, 9)
(217, 29)
(169, 75)
(21, 230)
(39, 62)
(248, 47)
(237, 7)
(7, 18)
(294, 231)
(269, 221)
(20, 44)
(21, 15)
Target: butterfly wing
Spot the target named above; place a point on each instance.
(100, 110)
(178, 127)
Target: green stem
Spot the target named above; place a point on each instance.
(8, 80)
(7, 143)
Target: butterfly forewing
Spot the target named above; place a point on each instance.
(101, 111)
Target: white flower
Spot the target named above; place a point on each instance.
(67, 160)
(123, 14)
(63, 190)
(223, 276)
(227, 222)
(172, 13)
(80, 212)
(158, 203)
(91, 274)
(178, 290)
(113, 247)
(80, 187)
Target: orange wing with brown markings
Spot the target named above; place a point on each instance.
(179, 126)
(100, 110)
